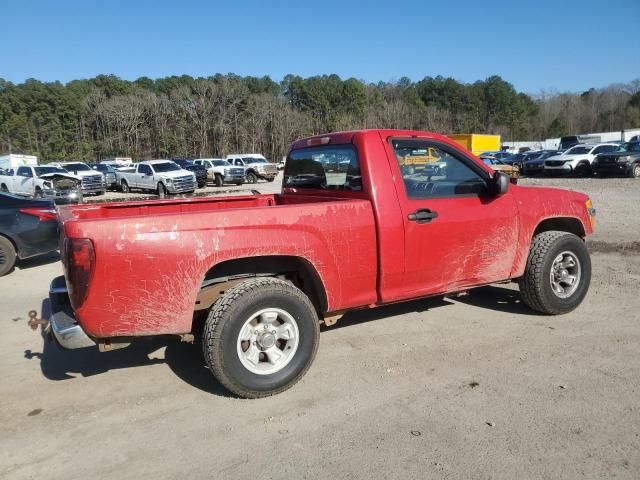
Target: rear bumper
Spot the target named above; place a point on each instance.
(66, 330)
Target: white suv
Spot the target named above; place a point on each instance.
(577, 159)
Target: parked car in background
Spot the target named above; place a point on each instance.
(199, 170)
(220, 172)
(13, 161)
(577, 160)
(161, 176)
(92, 182)
(109, 174)
(28, 227)
(533, 163)
(255, 165)
(499, 166)
(500, 155)
(42, 181)
(624, 161)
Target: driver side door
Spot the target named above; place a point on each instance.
(456, 234)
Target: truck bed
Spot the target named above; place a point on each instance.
(152, 256)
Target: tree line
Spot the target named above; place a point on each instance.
(182, 116)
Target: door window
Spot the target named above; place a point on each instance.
(430, 170)
(145, 169)
(25, 172)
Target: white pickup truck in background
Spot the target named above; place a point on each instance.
(161, 176)
(220, 172)
(255, 165)
(92, 182)
(42, 181)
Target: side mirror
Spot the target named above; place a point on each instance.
(501, 183)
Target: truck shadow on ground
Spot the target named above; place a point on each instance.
(184, 359)
(187, 362)
(494, 297)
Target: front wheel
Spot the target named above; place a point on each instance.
(219, 181)
(558, 273)
(162, 190)
(38, 193)
(635, 170)
(261, 337)
(252, 178)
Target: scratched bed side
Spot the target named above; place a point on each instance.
(149, 268)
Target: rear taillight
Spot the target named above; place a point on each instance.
(79, 258)
(43, 214)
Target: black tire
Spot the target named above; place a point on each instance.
(7, 256)
(635, 170)
(229, 315)
(162, 190)
(38, 193)
(124, 186)
(3, 188)
(583, 170)
(202, 184)
(218, 180)
(535, 285)
(101, 192)
(271, 179)
(238, 184)
(252, 178)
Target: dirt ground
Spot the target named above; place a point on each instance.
(473, 387)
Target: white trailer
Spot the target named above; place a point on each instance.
(14, 160)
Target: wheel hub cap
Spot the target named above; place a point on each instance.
(565, 274)
(268, 341)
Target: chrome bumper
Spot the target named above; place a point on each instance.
(66, 330)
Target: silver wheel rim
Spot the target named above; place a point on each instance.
(565, 274)
(268, 341)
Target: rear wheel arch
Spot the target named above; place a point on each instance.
(297, 270)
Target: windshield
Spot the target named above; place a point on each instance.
(44, 170)
(184, 163)
(630, 147)
(165, 167)
(220, 163)
(254, 160)
(579, 150)
(326, 168)
(76, 167)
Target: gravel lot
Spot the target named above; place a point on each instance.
(473, 387)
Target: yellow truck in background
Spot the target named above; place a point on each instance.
(477, 143)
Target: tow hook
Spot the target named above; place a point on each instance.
(34, 322)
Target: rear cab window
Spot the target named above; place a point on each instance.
(330, 167)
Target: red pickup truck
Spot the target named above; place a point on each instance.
(351, 229)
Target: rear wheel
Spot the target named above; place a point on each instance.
(219, 181)
(3, 188)
(558, 273)
(124, 186)
(261, 337)
(7, 256)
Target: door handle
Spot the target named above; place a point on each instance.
(424, 215)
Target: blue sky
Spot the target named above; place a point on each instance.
(560, 45)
